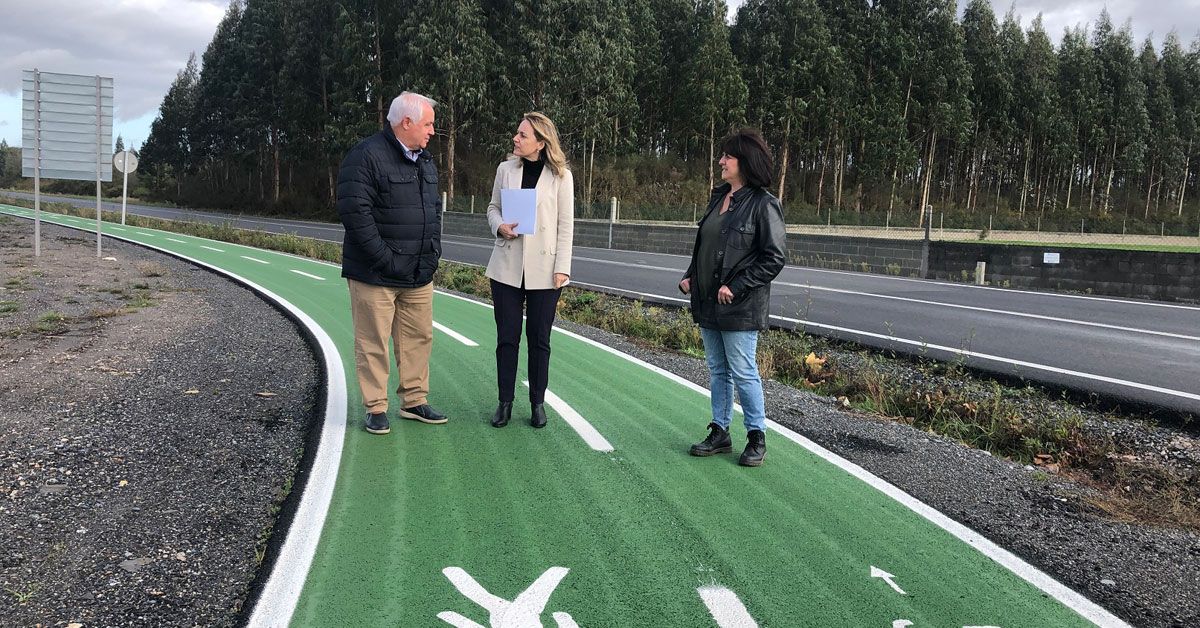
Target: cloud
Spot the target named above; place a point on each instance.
(1146, 19)
(141, 44)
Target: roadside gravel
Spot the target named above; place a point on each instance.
(142, 454)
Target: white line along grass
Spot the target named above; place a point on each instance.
(455, 335)
(726, 607)
(586, 431)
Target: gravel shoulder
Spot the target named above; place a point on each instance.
(152, 418)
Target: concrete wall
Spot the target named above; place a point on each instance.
(1112, 272)
(1140, 274)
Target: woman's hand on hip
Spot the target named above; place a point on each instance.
(560, 280)
(724, 295)
(685, 286)
(506, 231)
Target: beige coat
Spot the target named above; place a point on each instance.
(538, 256)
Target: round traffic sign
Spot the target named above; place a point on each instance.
(125, 161)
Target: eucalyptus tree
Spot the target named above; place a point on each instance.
(167, 153)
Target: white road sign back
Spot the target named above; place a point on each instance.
(60, 115)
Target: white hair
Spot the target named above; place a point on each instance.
(408, 105)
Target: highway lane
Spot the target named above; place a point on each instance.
(1143, 351)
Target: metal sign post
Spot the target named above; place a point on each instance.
(37, 165)
(99, 161)
(126, 162)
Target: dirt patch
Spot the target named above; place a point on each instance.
(140, 474)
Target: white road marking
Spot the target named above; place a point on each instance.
(1086, 608)
(589, 434)
(523, 612)
(997, 358)
(254, 259)
(143, 233)
(726, 607)
(117, 228)
(989, 310)
(176, 240)
(455, 335)
(212, 248)
(888, 578)
(300, 272)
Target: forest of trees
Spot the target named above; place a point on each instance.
(874, 107)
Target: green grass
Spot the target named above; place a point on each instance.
(8, 307)
(50, 322)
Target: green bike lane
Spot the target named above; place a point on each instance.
(465, 524)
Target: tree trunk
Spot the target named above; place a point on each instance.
(379, 66)
(1149, 191)
(451, 141)
(1187, 164)
(712, 149)
(840, 174)
(1092, 192)
(928, 177)
(1112, 170)
(275, 165)
(783, 162)
(591, 169)
(821, 179)
(903, 127)
(1070, 184)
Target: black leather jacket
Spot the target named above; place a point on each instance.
(391, 209)
(752, 252)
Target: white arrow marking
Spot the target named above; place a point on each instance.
(455, 335)
(726, 607)
(887, 577)
(523, 612)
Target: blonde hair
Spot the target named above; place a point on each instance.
(545, 131)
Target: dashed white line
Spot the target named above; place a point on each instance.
(300, 272)
(585, 430)
(117, 228)
(212, 248)
(176, 240)
(254, 259)
(143, 233)
(726, 607)
(455, 335)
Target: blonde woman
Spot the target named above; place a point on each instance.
(530, 270)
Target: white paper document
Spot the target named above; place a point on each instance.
(519, 206)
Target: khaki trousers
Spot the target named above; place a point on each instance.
(405, 315)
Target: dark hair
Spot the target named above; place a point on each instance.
(754, 157)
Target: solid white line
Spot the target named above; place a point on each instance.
(988, 356)
(586, 431)
(254, 259)
(726, 607)
(989, 310)
(175, 240)
(281, 592)
(212, 248)
(1076, 602)
(300, 272)
(455, 335)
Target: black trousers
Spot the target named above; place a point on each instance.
(540, 306)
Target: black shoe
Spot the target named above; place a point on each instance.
(756, 449)
(502, 414)
(423, 413)
(377, 423)
(538, 416)
(718, 442)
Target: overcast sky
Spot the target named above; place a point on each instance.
(143, 43)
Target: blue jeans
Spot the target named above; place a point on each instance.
(730, 357)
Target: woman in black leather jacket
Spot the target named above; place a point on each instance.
(739, 250)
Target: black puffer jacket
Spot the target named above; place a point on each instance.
(391, 209)
(752, 252)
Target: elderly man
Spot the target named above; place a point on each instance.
(387, 198)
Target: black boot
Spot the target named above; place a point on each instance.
(537, 418)
(717, 442)
(756, 449)
(502, 414)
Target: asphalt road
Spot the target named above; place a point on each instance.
(1144, 351)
